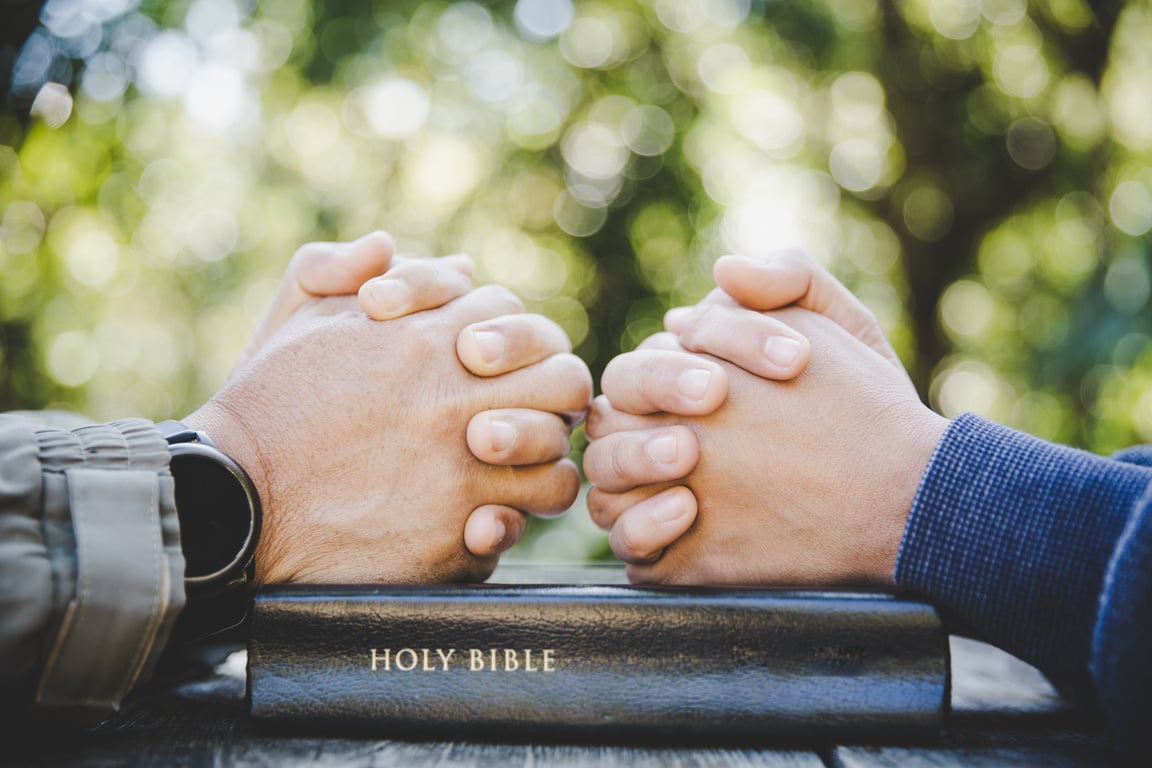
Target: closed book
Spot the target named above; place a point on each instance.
(596, 662)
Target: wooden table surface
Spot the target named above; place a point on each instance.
(1004, 713)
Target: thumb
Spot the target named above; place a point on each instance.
(792, 277)
(320, 269)
(339, 269)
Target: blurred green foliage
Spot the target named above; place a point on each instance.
(977, 170)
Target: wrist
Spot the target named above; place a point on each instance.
(1014, 535)
(220, 519)
(912, 452)
(233, 438)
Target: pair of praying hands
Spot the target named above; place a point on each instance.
(399, 424)
(770, 436)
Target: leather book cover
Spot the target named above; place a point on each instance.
(602, 662)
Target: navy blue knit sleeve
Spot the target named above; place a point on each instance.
(1016, 536)
(1122, 646)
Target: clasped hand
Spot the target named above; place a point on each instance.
(770, 436)
(398, 435)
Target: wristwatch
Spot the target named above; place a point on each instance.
(219, 512)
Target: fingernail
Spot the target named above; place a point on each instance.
(499, 531)
(666, 509)
(503, 435)
(661, 450)
(694, 383)
(391, 294)
(490, 344)
(782, 350)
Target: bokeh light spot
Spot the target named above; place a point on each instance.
(593, 41)
(1130, 208)
(495, 76)
(53, 104)
(1031, 143)
(92, 257)
(967, 309)
(576, 218)
(215, 97)
(72, 358)
(928, 213)
(166, 64)
(648, 130)
(105, 77)
(771, 121)
(312, 128)
(1004, 13)
(1131, 110)
(856, 164)
(955, 19)
(1021, 70)
(394, 107)
(542, 19)
(1127, 285)
(594, 150)
(1076, 111)
(442, 170)
(970, 385)
(724, 68)
(21, 227)
(464, 28)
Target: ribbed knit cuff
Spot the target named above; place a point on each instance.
(1014, 534)
(1122, 664)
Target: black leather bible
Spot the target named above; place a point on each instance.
(604, 663)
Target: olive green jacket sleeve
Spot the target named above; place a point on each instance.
(91, 573)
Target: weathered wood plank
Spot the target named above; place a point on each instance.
(1005, 713)
(1025, 756)
(986, 679)
(204, 723)
(341, 752)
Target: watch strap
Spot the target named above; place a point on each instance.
(218, 598)
(178, 432)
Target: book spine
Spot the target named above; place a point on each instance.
(614, 662)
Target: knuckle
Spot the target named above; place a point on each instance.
(597, 414)
(500, 296)
(547, 333)
(598, 502)
(698, 324)
(592, 463)
(618, 463)
(623, 541)
(628, 544)
(614, 371)
(576, 377)
(558, 444)
(305, 253)
(568, 485)
(664, 340)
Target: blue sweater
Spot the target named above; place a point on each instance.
(1044, 551)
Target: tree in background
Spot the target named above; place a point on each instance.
(977, 170)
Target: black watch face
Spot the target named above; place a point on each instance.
(216, 521)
